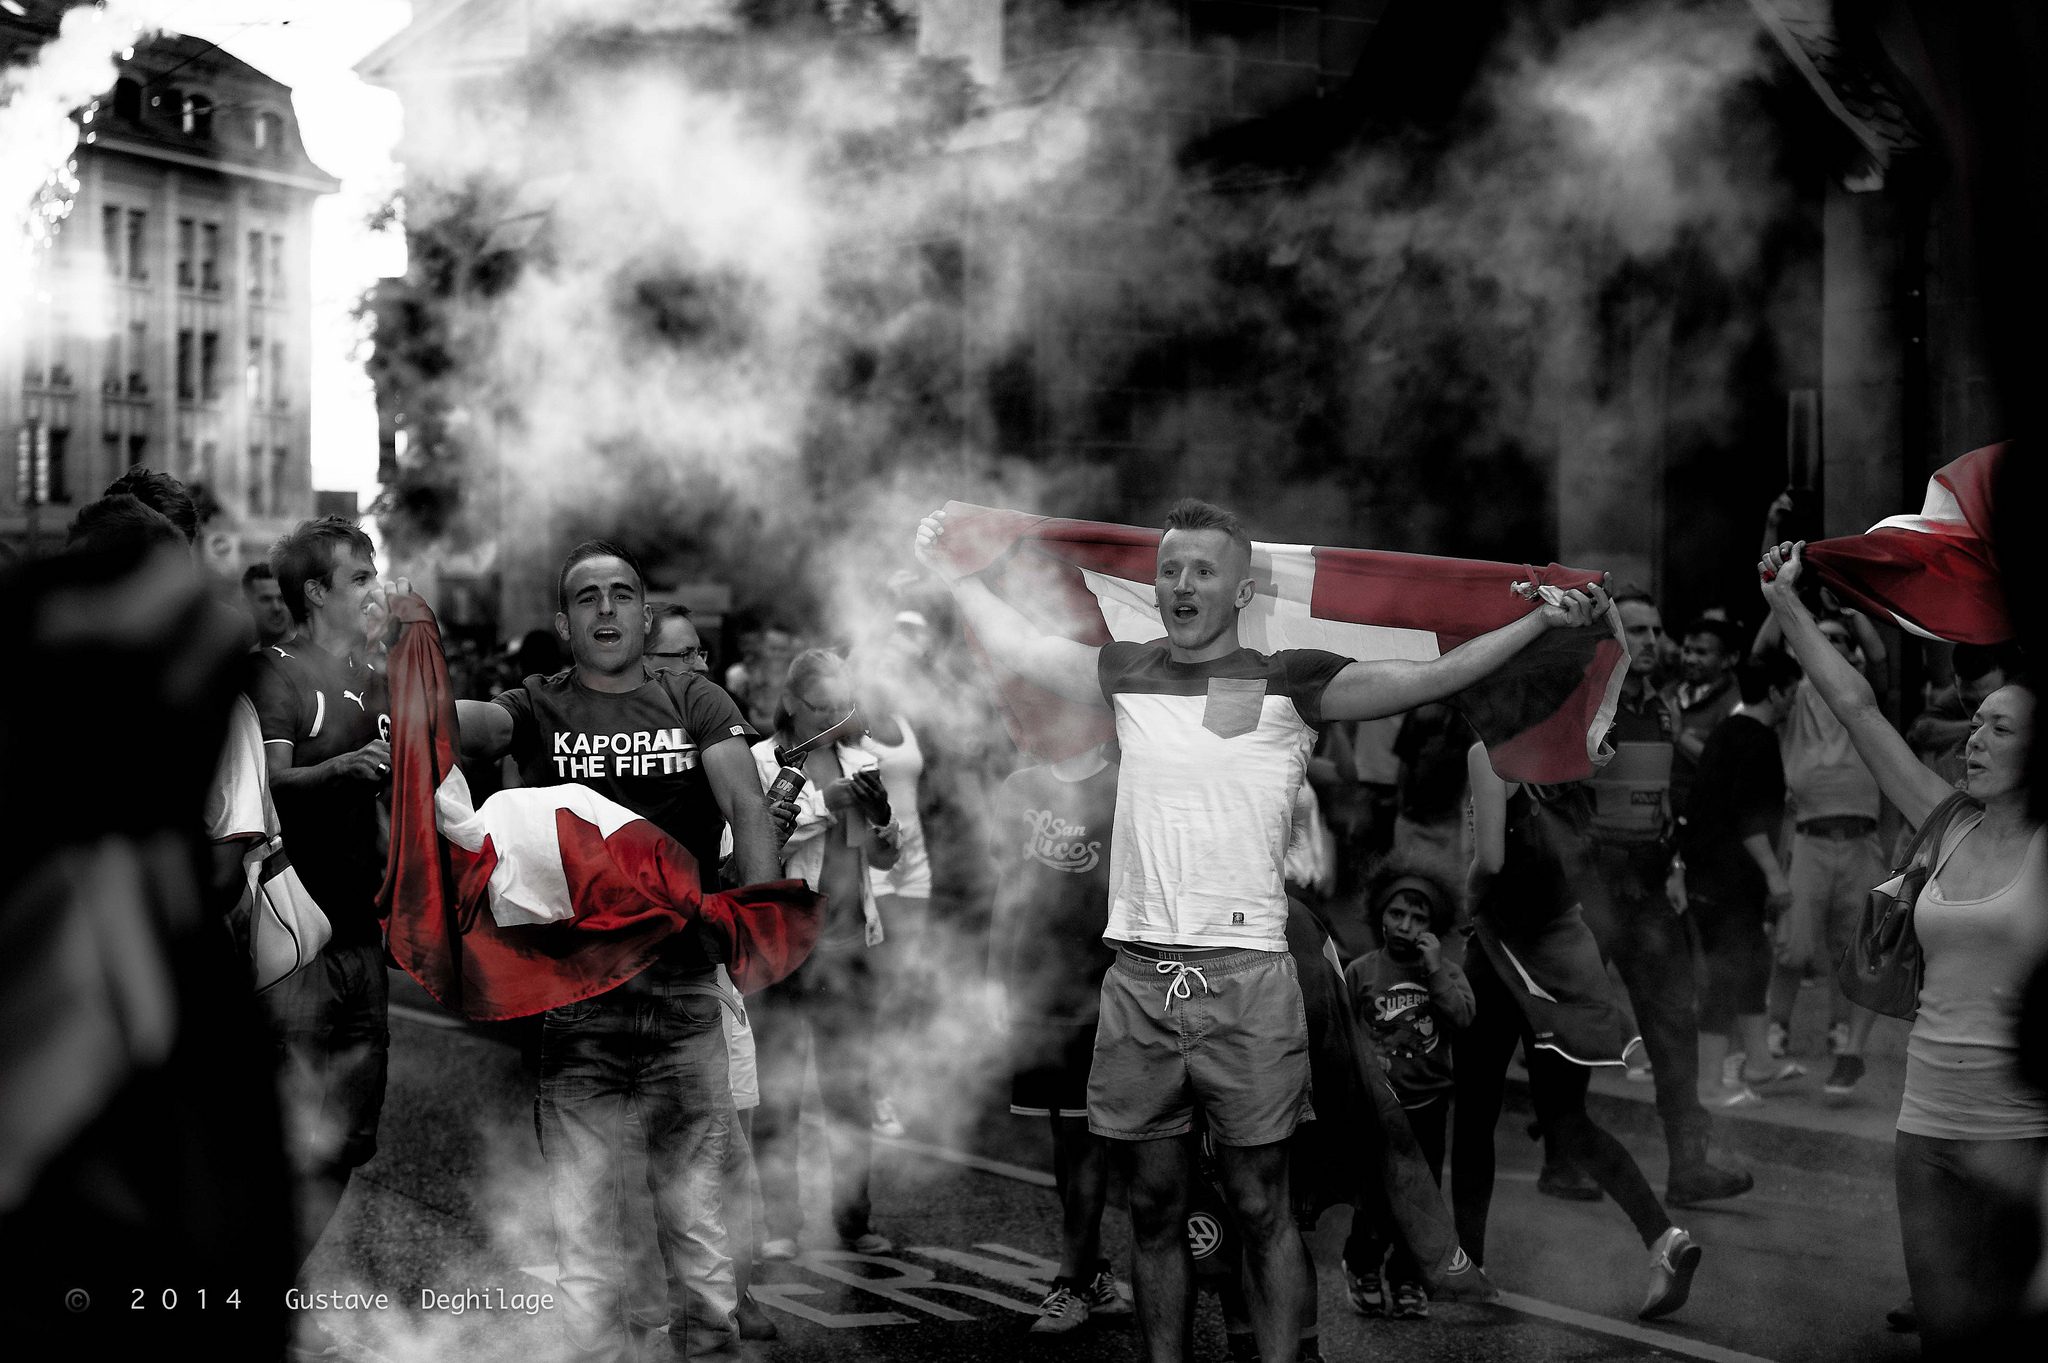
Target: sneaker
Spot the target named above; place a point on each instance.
(1838, 1038)
(868, 1242)
(1411, 1302)
(1843, 1078)
(1731, 1068)
(1742, 1095)
(778, 1251)
(753, 1320)
(1106, 1296)
(887, 1123)
(1673, 1260)
(1776, 1042)
(1705, 1183)
(1779, 1073)
(1062, 1311)
(1368, 1292)
(1566, 1181)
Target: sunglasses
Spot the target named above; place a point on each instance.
(685, 655)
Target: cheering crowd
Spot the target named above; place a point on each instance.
(1268, 935)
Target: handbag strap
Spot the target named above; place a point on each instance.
(1927, 838)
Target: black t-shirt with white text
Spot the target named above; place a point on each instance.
(325, 707)
(642, 748)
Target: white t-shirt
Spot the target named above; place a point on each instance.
(1213, 754)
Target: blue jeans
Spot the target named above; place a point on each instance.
(664, 1059)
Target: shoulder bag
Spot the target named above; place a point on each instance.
(1882, 968)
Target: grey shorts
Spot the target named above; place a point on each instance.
(1228, 1033)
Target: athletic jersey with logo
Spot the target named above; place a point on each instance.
(1212, 755)
(325, 707)
(1052, 844)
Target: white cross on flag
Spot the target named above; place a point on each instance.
(1542, 717)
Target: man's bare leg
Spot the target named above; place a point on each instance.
(1162, 1275)
(1255, 1185)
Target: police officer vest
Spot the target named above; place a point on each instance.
(1632, 793)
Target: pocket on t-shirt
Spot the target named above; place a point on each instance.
(1233, 706)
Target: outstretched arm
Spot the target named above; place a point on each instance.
(1369, 690)
(1907, 784)
(1061, 666)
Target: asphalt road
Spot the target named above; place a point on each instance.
(1802, 1268)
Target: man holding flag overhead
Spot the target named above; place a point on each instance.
(1202, 1007)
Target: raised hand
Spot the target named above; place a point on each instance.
(926, 547)
(1577, 607)
(1780, 568)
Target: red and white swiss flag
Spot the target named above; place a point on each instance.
(1543, 717)
(554, 895)
(1933, 574)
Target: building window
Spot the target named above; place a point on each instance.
(196, 116)
(138, 359)
(110, 239)
(256, 498)
(138, 235)
(185, 456)
(60, 452)
(279, 465)
(276, 266)
(188, 232)
(279, 397)
(138, 450)
(254, 371)
(269, 133)
(110, 378)
(208, 456)
(256, 265)
(209, 366)
(187, 389)
(209, 257)
(127, 99)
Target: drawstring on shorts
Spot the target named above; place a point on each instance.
(1178, 986)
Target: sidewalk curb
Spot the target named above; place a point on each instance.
(1745, 1138)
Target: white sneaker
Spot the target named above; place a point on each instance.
(887, 1123)
(1838, 1038)
(1060, 1312)
(1776, 1042)
(1741, 1095)
(1673, 1259)
(1731, 1069)
(777, 1251)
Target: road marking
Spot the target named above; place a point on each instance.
(1037, 1178)
(1514, 1301)
(425, 1018)
(1635, 1334)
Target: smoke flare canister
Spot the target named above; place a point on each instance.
(788, 782)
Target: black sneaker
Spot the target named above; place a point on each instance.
(1567, 1182)
(1842, 1079)
(1706, 1183)
(753, 1319)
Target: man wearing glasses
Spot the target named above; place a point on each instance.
(673, 645)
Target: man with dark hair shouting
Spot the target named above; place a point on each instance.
(671, 747)
(1202, 1007)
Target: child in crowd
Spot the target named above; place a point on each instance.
(1410, 997)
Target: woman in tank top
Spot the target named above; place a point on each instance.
(1972, 1134)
